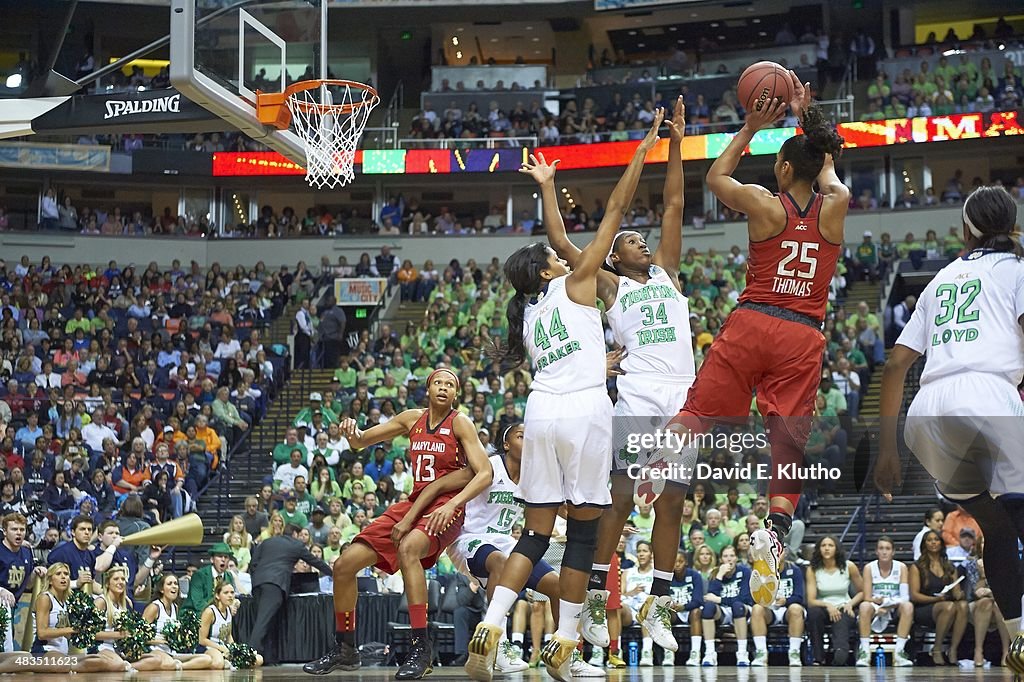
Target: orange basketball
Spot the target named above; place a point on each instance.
(762, 82)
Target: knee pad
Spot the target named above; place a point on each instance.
(707, 612)
(739, 610)
(581, 538)
(532, 545)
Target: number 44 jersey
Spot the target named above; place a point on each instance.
(565, 341)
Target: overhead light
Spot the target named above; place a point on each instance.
(950, 53)
(721, 37)
(458, 54)
(455, 40)
(494, 40)
(460, 29)
(693, 14)
(714, 24)
(673, 28)
(534, 195)
(641, 44)
(755, 21)
(536, 51)
(535, 40)
(681, 41)
(565, 190)
(14, 80)
(762, 34)
(529, 28)
(632, 33)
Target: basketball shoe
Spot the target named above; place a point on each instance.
(656, 615)
(483, 649)
(766, 551)
(594, 618)
(1015, 657)
(558, 657)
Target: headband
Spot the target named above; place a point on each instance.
(504, 436)
(445, 369)
(608, 258)
(970, 225)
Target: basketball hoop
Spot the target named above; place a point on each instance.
(329, 116)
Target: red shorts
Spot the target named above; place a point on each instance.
(780, 358)
(378, 534)
(614, 584)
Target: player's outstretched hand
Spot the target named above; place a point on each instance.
(677, 126)
(612, 360)
(767, 117)
(539, 169)
(801, 96)
(647, 144)
(888, 476)
(440, 518)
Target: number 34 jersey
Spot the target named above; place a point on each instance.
(966, 320)
(565, 341)
(496, 510)
(652, 322)
(433, 452)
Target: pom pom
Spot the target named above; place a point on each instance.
(140, 634)
(182, 635)
(84, 618)
(5, 622)
(242, 655)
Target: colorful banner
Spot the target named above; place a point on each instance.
(81, 157)
(932, 129)
(359, 291)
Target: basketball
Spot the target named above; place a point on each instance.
(762, 82)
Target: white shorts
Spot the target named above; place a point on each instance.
(466, 545)
(684, 617)
(567, 449)
(779, 614)
(727, 614)
(967, 430)
(645, 404)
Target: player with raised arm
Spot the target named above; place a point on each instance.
(650, 320)
(965, 424)
(411, 535)
(772, 342)
(553, 320)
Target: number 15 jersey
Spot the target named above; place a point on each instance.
(793, 269)
(433, 452)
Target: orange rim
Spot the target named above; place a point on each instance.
(272, 107)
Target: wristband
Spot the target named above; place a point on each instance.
(149, 563)
(110, 550)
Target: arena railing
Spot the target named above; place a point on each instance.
(468, 143)
(859, 518)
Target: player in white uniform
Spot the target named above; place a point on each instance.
(554, 321)
(965, 424)
(886, 581)
(650, 320)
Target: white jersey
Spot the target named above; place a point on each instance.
(887, 587)
(565, 341)
(966, 319)
(652, 322)
(58, 619)
(496, 510)
(633, 578)
(164, 617)
(115, 613)
(220, 631)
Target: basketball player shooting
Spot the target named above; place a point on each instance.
(772, 342)
(411, 535)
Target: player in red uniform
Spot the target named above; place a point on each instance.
(411, 535)
(773, 342)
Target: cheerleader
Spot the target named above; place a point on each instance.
(215, 627)
(162, 611)
(113, 603)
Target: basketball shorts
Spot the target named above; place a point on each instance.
(465, 547)
(779, 614)
(378, 534)
(645, 405)
(567, 449)
(780, 358)
(684, 617)
(727, 617)
(967, 430)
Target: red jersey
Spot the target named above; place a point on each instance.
(433, 452)
(794, 269)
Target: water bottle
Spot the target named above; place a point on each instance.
(634, 654)
(879, 657)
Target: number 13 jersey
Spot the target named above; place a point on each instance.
(565, 341)
(433, 452)
(793, 269)
(652, 322)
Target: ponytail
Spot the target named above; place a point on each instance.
(989, 214)
(522, 270)
(514, 352)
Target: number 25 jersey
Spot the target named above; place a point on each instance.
(793, 269)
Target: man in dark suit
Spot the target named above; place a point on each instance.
(271, 567)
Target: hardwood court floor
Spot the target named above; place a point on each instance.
(658, 674)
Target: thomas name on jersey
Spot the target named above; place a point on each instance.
(791, 287)
(559, 353)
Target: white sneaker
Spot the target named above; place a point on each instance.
(863, 659)
(506, 660)
(647, 658)
(765, 556)
(760, 659)
(669, 661)
(742, 659)
(518, 648)
(656, 615)
(596, 656)
(558, 656)
(580, 668)
(594, 618)
(794, 659)
(710, 659)
(694, 659)
(902, 660)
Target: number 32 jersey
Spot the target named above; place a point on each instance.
(793, 269)
(433, 452)
(652, 322)
(565, 341)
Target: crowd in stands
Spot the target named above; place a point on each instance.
(124, 389)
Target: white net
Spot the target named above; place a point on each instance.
(330, 119)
